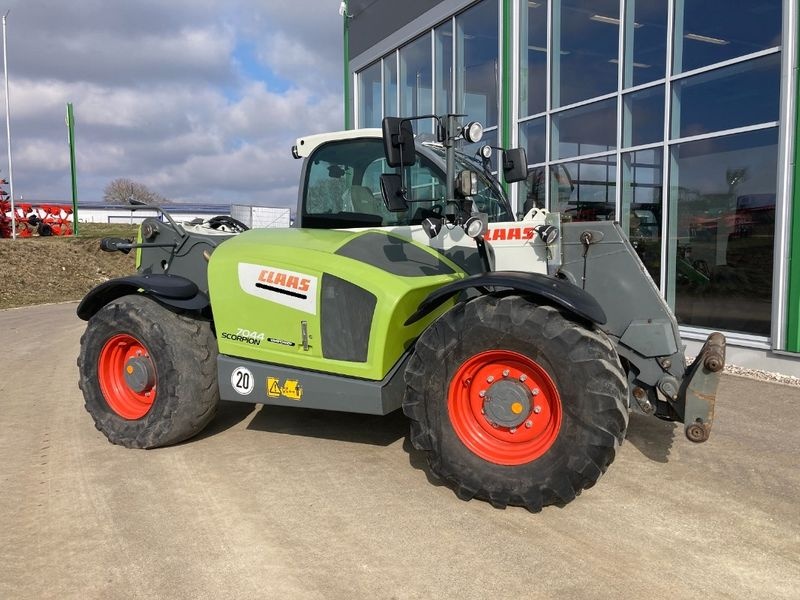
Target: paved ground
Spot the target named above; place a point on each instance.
(282, 503)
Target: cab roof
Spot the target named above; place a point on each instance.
(306, 145)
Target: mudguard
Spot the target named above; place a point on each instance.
(170, 290)
(550, 289)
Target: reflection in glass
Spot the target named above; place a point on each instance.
(643, 117)
(416, 94)
(642, 186)
(533, 59)
(390, 85)
(369, 96)
(645, 41)
(584, 190)
(585, 49)
(710, 31)
(532, 190)
(443, 43)
(477, 55)
(721, 237)
(533, 137)
(585, 130)
(742, 94)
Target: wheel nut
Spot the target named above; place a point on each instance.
(537, 409)
(528, 424)
(535, 391)
(523, 378)
(505, 373)
(494, 424)
(513, 430)
(490, 378)
(482, 393)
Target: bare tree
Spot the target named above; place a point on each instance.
(125, 191)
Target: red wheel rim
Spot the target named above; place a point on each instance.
(121, 356)
(537, 421)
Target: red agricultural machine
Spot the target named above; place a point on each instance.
(30, 219)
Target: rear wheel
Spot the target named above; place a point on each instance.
(515, 403)
(148, 375)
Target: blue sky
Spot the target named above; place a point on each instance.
(200, 100)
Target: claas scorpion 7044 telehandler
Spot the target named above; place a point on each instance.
(516, 347)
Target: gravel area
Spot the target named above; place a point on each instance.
(757, 374)
(763, 375)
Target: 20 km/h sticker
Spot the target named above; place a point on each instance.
(242, 381)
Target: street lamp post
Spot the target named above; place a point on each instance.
(8, 131)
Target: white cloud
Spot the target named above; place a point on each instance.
(163, 95)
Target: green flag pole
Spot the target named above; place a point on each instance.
(71, 132)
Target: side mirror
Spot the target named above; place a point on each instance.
(515, 165)
(398, 142)
(393, 194)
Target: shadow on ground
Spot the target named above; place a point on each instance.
(360, 429)
(229, 414)
(651, 436)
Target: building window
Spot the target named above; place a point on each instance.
(641, 219)
(587, 129)
(533, 58)
(443, 51)
(721, 236)
(585, 49)
(533, 137)
(416, 91)
(742, 94)
(584, 190)
(712, 31)
(369, 96)
(643, 117)
(390, 85)
(478, 80)
(645, 41)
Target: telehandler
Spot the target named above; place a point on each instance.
(517, 347)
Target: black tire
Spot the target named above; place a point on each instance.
(181, 356)
(44, 229)
(582, 365)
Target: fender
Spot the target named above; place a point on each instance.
(551, 289)
(171, 290)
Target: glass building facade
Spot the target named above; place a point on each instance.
(676, 118)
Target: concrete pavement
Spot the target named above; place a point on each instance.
(287, 503)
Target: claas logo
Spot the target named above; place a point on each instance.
(509, 233)
(268, 276)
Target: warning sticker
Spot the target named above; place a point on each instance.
(290, 388)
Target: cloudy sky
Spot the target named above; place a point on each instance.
(200, 100)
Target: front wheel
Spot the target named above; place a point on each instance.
(515, 403)
(148, 375)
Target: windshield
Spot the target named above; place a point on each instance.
(490, 198)
(342, 187)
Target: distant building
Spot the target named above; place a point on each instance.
(117, 213)
(253, 216)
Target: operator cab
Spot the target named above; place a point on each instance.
(341, 184)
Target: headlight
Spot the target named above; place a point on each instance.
(473, 132)
(547, 233)
(475, 226)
